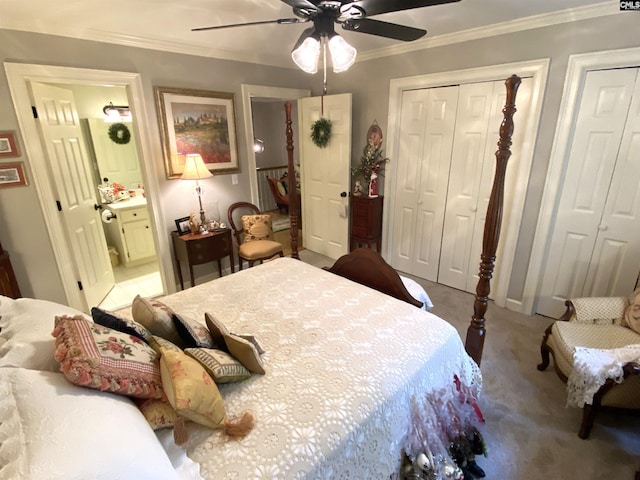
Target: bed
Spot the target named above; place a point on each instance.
(355, 380)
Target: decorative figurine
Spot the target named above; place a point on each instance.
(373, 184)
(357, 191)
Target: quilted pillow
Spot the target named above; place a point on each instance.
(257, 227)
(222, 367)
(240, 348)
(156, 317)
(111, 320)
(192, 333)
(98, 357)
(632, 312)
(190, 390)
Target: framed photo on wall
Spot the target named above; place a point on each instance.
(8, 145)
(197, 121)
(12, 175)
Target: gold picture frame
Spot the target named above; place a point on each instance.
(197, 121)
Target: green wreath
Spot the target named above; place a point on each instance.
(119, 133)
(321, 132)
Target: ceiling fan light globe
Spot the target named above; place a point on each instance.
(343, 55)
(306, 55)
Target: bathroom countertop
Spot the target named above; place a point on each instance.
(130, 203)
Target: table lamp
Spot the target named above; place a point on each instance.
(195, 169)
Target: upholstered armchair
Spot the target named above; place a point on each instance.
(594, 323)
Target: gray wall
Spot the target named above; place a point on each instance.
(368, 82)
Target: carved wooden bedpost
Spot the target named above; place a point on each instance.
(476, 332)
(292, 187)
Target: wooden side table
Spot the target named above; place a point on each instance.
(202, 248)
(366, 221)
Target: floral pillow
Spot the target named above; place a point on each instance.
(111, 320)
(190, 390)
(632, 312)
(193, 334)
(101, 358)
(241, 349)
(156, 317)
(257, 227)
(158, 412)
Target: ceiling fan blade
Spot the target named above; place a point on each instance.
(376, 7)
(384, 29)
(279, 21)
(302, 5)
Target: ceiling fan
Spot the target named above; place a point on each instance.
(352, 16)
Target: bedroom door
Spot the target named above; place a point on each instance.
(325, 175)
(595, 244)
(71, 172)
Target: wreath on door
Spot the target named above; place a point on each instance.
(321, 132)
(119, 133)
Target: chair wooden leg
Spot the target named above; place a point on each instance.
(544, 350)
(588, 415)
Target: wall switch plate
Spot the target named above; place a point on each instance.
(234, 179)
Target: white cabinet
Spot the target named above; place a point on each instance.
(130, 232)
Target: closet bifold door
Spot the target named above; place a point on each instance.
(594, 248)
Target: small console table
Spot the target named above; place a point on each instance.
(202, 248)
(366, 221)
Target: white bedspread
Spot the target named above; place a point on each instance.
(343, 364)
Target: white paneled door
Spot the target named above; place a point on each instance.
(326, 175)
(448, 139)
(69, 167)
(595, 244)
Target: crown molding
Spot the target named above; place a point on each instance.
(610, 7)
(514, 26)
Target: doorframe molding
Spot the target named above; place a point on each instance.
(578, 67)
(537, 70)
(248, 92)
(19, 77)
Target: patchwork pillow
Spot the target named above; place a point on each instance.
(26, 326)
(632, 312)
(111, 320)
(190, 390)
(222, 367)
(156, 317)
(101, 358)
(241, 349)
(193, 333)
(257, 227)
(158, 412)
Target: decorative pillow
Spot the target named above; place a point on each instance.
(241, 349)
(158, 412)
(632, 312)
(111, 320)
(156, 317)
(222, 367)
(192, 333)
(158, 343)
(101, 358)
(26, 326)
(257, 227)
(190, 390)
(55, 430)
(282, 189)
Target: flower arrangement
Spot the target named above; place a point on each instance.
(370, 161)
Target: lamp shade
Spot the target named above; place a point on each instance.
(342, 54)
(306, 55)
(194, 168)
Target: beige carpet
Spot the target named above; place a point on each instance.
(530, 434)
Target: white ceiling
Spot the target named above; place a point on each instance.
(166, 24)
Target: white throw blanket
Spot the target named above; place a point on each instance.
(592, 367)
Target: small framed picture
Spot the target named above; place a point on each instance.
(182, 225)
(8, 145)
(12, 175)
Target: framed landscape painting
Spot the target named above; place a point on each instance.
(197, 121)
